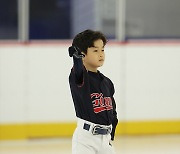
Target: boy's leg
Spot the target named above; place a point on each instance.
(107, 148)
(79, 148)
(82, 142)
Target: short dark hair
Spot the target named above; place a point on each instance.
(86, 39)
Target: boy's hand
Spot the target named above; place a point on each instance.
(75, 51)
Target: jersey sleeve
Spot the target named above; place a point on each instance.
(78, 69)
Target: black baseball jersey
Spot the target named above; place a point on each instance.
(92, 95)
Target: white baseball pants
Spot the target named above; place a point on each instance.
(84, 142)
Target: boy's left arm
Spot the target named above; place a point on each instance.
(115, 120)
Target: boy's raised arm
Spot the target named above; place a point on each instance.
(78, 64)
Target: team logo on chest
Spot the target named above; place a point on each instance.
(101, 103)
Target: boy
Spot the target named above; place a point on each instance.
(92, 95)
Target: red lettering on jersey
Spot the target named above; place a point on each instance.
(99, 109)
(97, 95)
(95, 102)
(101, 103)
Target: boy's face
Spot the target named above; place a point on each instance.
(95, 56)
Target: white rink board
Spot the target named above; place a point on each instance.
(34, 82)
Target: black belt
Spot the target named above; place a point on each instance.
(97, 129)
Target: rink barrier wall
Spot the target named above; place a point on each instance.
(53, 130)
(16, 122)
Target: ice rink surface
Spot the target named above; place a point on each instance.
(156, 144)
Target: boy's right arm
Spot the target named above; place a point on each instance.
(78, 64)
